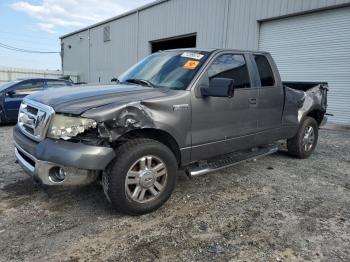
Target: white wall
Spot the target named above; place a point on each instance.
(76, 55)
(9, 73)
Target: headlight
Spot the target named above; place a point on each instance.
(66, 127)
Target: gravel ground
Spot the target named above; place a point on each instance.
(273, 209)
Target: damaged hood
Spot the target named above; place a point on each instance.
(78, 99)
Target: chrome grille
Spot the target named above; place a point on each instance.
(34, 119)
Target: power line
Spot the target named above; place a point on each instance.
(19, 40)
(27, 36)
(26, 50)
(12, 48)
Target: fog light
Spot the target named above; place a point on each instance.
(61, 174)
(57, 174)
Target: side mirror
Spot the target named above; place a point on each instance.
(11, 93)
(219, 87)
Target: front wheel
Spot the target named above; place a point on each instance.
(141, 178)
(303, 144)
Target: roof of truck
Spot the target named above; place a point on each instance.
(212, 50)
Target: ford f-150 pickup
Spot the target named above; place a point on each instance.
(197, 110)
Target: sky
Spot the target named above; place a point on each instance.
(38, 24)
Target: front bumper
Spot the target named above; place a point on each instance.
(80, 162)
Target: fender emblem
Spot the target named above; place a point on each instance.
(180, 107)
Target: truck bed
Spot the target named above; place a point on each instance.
(309, 96)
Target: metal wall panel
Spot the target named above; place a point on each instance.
(219, 23)
(314, 47)
(180, 17)
(243, 25)
(111, 58)
(76, 54)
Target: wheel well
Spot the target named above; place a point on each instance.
(317, 115)
(155, 134)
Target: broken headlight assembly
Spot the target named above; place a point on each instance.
(66, 127)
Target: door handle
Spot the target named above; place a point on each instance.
(253, 101)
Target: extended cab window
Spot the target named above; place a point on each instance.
(230, 66)
(265, 71)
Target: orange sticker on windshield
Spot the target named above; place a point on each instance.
(191, 64)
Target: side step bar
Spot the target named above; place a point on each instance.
(229, 160)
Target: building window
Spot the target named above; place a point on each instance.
(107, 33)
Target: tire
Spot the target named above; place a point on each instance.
(144, 163)
(303, 144)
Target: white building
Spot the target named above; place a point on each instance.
(309, 39)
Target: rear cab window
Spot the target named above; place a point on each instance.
(265, 71)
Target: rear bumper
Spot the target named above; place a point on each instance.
(80, 162)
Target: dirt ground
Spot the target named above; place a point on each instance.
(274, 209)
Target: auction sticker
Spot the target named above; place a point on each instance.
(192, 55)
(191, 64)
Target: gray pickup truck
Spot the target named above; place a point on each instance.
(196, 110)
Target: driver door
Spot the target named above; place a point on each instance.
(221, 124)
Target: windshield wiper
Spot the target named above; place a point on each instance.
(140, 82)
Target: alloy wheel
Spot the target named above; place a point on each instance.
(146, 179)
(309, 138)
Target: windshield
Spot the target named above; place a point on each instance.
(7, 84)
(168, 69)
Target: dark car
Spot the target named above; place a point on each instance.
(192, 110)
(12, 94)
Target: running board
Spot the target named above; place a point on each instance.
(229, 160)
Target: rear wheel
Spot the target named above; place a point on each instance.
(303, 144)
(141, 178)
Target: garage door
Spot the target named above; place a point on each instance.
(314, 47)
